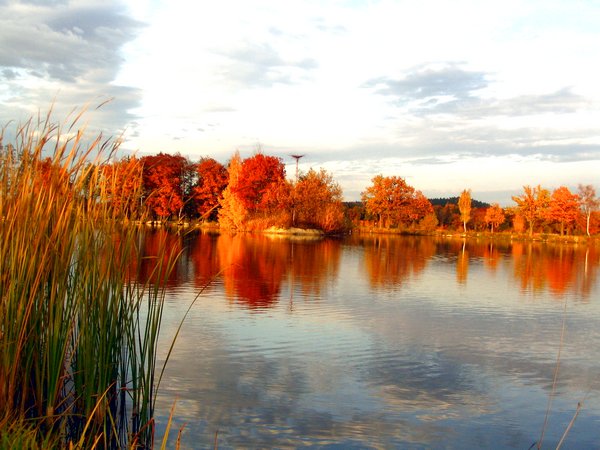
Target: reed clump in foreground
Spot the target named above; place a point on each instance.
(78, 330)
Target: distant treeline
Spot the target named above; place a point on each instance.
(441, 201)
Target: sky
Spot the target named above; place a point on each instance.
(450, 95)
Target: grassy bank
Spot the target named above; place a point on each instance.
(78, 332)
(483, 235)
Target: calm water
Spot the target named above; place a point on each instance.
(381, 342)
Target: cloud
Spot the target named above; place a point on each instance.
(428, 82)
(65, 42)
(446, 88)
(261, 65)
(65, 55)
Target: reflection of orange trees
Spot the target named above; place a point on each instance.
(462, 265)
(253, 268)
(313, 263)
(391, 259)
(151, 266)
(204, 257)
(491, 256)
(528, 266)
(587, 269)
(559, 268)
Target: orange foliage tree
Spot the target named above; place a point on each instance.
(494, 216)
(162, 177)
(394, 202)
(233, 213)
(563, 208)
(212, 181)
(317, 201)
(122, 185)
(532, 205)
(464, 206)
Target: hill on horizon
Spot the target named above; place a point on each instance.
(454, 200)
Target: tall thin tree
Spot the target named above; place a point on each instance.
(464, 206)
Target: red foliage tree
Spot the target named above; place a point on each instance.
(257, 195)
(212, 181)
(260, 175)
(162, 177)
(563, 208)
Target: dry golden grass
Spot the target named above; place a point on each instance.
(78, 333)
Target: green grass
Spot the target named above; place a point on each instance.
(78, 330)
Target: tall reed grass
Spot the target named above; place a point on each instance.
(78, 332)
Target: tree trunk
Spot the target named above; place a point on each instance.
(531, 228)
(587, 226)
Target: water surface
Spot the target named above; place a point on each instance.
(381, 342)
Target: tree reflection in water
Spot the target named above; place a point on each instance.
(465, 359)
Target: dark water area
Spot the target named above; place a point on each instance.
(380, 342)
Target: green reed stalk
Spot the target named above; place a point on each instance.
(78, 330)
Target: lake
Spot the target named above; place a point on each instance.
(377, 341)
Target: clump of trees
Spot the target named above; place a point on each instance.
(560, 211)
(247, 194)
(255, 194)
(394, 203)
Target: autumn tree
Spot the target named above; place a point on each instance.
(260, 176)
(212, 178)
(464, 206)
(563, 207)
(393, 201)
(447, 215)
(189, 179)
(478, 222)
(494, 216)
(318, 201)
(121, 184)
(421, 208)
(51, 175)
(162, 179)
(588, 203)
(532, 205)
(233, 213)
